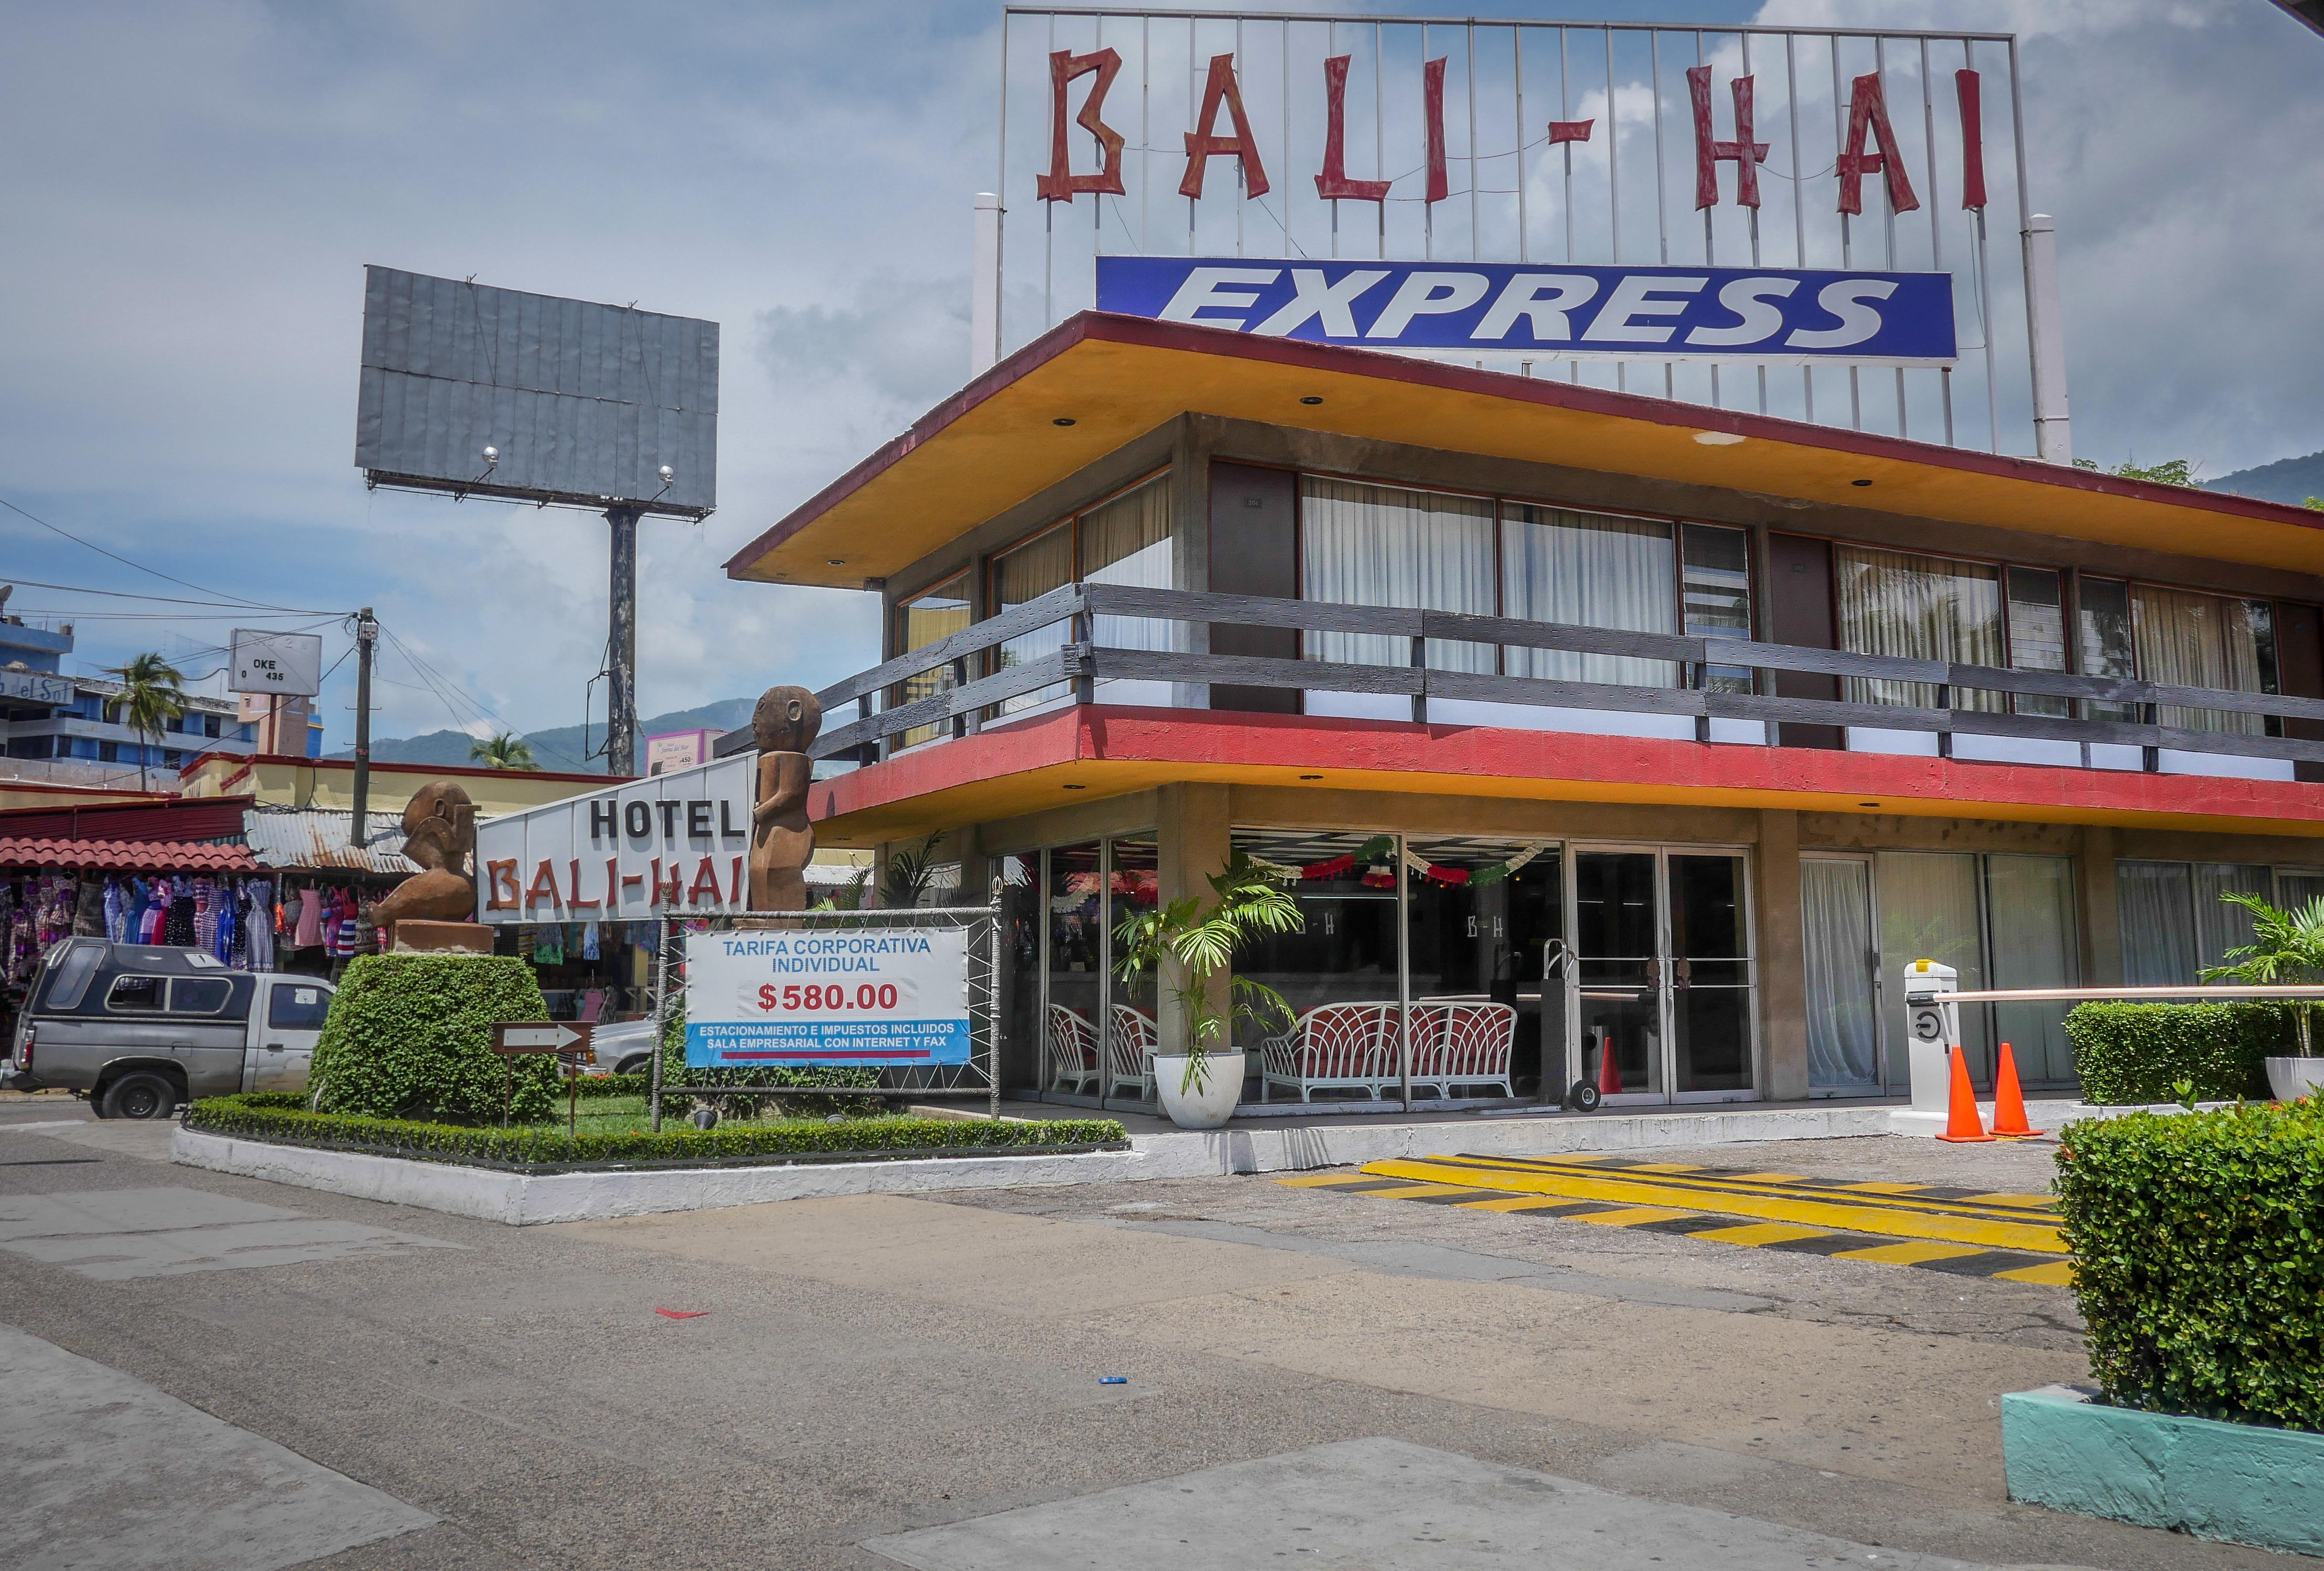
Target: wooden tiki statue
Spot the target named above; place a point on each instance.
(782, 840)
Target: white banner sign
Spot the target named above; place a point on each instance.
(858, 998)
(289, 664)
(678, 844)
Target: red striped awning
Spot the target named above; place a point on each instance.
(122, 855)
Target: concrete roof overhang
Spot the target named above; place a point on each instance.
(1084, 754)
(1111, 380)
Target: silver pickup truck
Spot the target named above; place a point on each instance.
(139, 1028)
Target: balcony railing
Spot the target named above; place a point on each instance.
(972, 701)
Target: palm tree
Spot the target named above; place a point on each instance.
(2286, 947)
(505, 750)
(153, 694)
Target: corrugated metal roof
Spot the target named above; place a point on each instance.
(313, 836)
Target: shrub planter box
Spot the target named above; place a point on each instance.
(2245, 1482)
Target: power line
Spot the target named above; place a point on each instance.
(165, 599)
(446, 690)
(224, 597)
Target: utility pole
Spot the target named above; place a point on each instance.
(621, 646)
(367, 637)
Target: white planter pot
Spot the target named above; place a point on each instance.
(1211, 1102)
(2294, 1077)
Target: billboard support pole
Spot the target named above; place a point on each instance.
(366, 637)
(621, 646)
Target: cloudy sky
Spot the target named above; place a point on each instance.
(194, 186)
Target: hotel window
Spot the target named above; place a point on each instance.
(2037, 633)
(1715, 595)
(1920, 607)
(1123, 540)
(2174, 921)
(1591, 570)
(2180, 639)
(923, 620)
(1372, 545)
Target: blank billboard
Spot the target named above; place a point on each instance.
(583, 403)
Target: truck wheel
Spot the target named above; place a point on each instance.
(640, 1064)
(140, 1094)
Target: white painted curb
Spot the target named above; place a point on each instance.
(519, 1199)
(2047, 1116)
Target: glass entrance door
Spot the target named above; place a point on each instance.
(1618, 974)
(1664, 979)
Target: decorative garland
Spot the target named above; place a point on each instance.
(1376, 853)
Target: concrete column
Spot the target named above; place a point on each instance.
(2097, 915)
(1193, 825)
(1783, 960)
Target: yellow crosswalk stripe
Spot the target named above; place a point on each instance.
(2053, 1274)
(1899, 1219)
(1754, 1234)
(1632, 1216)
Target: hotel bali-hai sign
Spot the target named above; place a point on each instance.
(1653, 204)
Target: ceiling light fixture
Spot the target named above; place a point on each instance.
(1063, 420)
(1717, 438)
(1859, 482)
(1311, 399)
(1311, 776)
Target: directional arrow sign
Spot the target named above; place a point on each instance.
(539, 1036)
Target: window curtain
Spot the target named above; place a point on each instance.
(938, 613)
(1127, 541)
(1918, 608)
(2220, 926)
(2202, 640)
(2036, 943)
(2154, 902)
(1369, 544)
(1928, 911)
(1589, 570)
(1028, 573)
(1836, 913)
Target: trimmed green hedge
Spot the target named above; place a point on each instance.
(2199, 1250)
(283, 1117)
(410, 1035)
(2137, 1053)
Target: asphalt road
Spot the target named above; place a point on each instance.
(211, 1370)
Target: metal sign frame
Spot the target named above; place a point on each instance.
(1540, 72)
(979, 1076)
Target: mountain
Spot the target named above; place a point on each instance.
(561, 747)
(2291, 480)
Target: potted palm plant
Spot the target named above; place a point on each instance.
(2287, 947)
(1198, 1076)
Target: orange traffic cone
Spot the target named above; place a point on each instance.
(1610, 1073)
(1961, 1122)
(2008, 1101)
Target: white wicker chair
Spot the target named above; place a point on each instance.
(1462, 1043)
(1332, 1046)
(1072, 1052)
(1130, 1045)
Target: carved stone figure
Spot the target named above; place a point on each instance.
(439, 832)
(782, 840)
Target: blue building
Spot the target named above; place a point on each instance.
(48, 716)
